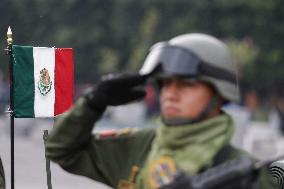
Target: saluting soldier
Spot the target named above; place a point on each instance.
(195, 76)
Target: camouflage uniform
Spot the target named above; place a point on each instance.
(109, 160)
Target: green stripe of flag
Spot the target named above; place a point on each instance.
(23, 81)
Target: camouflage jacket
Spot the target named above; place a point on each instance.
(104, 159)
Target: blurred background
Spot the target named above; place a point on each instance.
(114, 36)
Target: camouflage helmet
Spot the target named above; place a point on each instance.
(195, 56)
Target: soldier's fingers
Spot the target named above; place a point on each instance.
(131, 95)
(127, 80)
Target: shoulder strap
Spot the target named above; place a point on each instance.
(223, 155)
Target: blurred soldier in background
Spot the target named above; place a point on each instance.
(2, 176)
(195, 76)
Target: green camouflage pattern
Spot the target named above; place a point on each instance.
(107, 159)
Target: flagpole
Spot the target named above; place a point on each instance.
(47, 161)
(11, 109)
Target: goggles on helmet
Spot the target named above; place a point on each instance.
(175, 60)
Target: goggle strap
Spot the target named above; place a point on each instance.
(218, 73)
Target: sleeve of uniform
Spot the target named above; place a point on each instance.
(75, 149)
(265, 180)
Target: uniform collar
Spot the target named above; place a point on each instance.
(178, 135)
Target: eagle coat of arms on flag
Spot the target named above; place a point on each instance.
(44, 84)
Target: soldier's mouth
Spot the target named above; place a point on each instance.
(170, 111)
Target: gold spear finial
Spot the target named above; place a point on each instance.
(9, 36)
(130, 183)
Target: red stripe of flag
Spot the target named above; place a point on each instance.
(64, 79)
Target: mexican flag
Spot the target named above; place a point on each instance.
(43, 81)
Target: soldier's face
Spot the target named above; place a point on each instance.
(182, 99)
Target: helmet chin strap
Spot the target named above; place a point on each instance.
(202, 115)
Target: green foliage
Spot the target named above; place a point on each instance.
(110, 60)
(110, 35)
(243, 51)
(144, 39)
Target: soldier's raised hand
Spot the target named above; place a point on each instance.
(116, 89)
